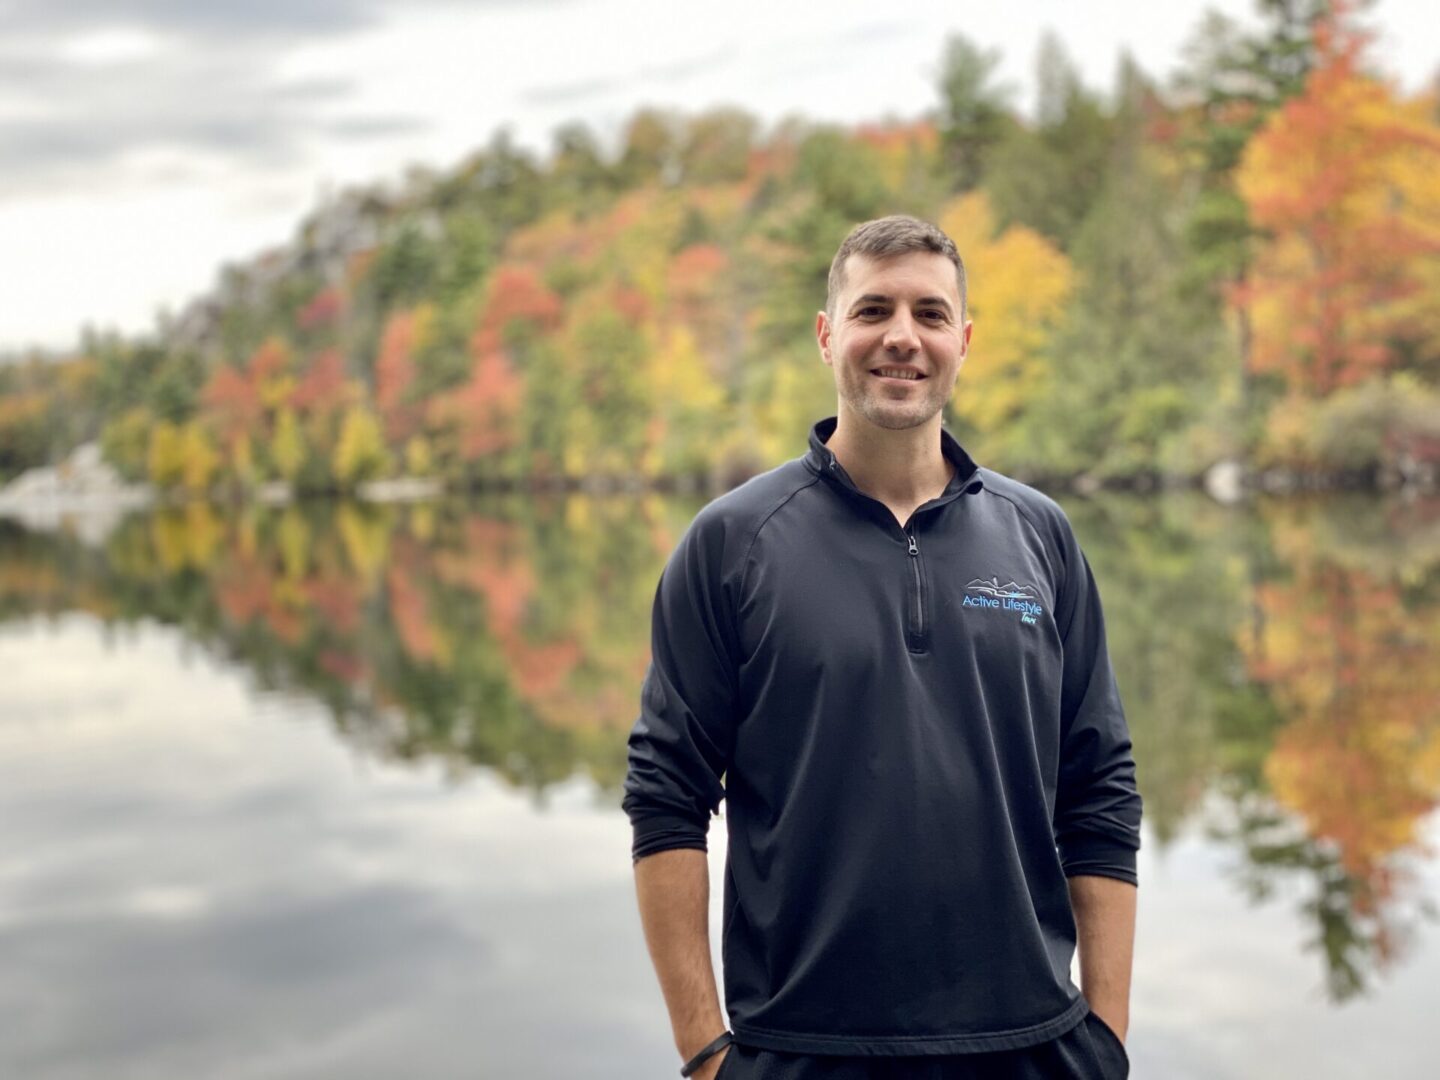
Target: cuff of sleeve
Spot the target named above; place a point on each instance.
(1091, 853)
(663, 832)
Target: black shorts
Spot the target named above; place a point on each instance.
(1088, 1051)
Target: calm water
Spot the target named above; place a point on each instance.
(333, 792)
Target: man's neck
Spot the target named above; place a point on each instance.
(899, 468)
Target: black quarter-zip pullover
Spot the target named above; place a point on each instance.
(920, 739)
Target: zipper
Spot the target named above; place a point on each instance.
(917, 642)
(917, 633)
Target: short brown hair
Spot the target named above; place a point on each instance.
(898, 234)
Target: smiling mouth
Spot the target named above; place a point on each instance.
(897, 374)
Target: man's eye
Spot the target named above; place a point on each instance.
(933, 316)
(871, 310)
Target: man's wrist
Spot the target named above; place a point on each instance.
(1115, 1016)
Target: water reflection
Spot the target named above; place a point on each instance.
(1277, 663)
(1343, 636)
(1286, 660)
(511, 636)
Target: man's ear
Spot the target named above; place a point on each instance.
(965, 341)
(822, 337)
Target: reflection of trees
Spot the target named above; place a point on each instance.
(1344, 642)
(508, 635)
(1356, 929)
(1289, 659)
(1168, 572)
(41, 577)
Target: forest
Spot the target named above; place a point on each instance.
(1239, 262)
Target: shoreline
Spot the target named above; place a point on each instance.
(86, 486)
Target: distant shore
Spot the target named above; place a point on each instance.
(86, 485)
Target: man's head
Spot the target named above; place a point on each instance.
(883, 238)
(894, 327)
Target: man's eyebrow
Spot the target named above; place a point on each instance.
(881, 298)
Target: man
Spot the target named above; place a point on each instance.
(896, 662)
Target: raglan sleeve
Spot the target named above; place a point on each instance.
(682, 741)
(1097, 805)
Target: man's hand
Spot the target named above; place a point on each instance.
(1105, 919)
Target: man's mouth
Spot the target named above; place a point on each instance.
(905, 374)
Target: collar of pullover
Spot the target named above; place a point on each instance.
(821, 461)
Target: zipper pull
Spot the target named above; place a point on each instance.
(913, 549)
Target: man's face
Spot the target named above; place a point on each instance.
(897, 340)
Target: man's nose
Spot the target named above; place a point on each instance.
(900, 335)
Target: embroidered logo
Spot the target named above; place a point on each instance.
(1013, 596)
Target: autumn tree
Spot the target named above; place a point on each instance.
(479, 419)
(287, 448)
(1018, 288)
(395, 370)
(689, 412)
(1342, 181)
(1234, 80)
(360, 453)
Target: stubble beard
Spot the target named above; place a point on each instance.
(893, 414)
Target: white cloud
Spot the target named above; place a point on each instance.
(111, 46)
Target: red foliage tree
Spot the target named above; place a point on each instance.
(322, 310)
(394, 376)
(516, 293)
(323, 387)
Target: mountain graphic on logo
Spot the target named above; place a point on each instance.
(1013, 590)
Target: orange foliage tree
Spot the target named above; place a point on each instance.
(1342, 181)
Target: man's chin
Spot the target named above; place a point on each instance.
(897, 419)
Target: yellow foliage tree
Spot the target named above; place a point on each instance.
(287, 447)
(690, 406)
(1018, 286)
(793, 390)
(419, 458)
(360, 450)
(201, 461)
(165, 459)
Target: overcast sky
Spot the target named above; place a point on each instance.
(143, 142)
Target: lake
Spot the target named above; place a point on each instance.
(333, 789)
